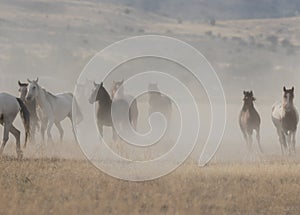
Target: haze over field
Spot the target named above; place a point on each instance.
(55, 39)
(252, 45)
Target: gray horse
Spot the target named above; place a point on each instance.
(117, 92)
(10, 106)
(285, 118)
(249, 120)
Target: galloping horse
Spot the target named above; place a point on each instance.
(159, 102)
(31, 107)
(10, 106)
(249, 120)
(104, 109)
(117, 92)
(55, 108)
(285, 118)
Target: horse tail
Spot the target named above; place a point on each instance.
(134, 112)
(25, 115)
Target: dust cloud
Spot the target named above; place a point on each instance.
(55, 45)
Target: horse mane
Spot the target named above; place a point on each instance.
(48, 94)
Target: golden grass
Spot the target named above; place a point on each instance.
(54, 186)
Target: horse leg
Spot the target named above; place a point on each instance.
(43, 128)
(283, 142)
(250, 139)
(34, 128)
(294, 141)
(245, 136)
(49, 131)
(289, 142)
(282, 145)
(7, 126)
(134, 122)
(115, 135)
(258, 139)
(60, 129)
(16, 134)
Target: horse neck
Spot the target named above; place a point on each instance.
(104, 102)
(287, 106)
(249, 107)
(42, 100)
(118, 94)
(155, 94)
(23, 96)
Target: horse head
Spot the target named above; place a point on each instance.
(99, 93)
(288, 95)
(23, 89)
(33, 89)
(117, 87)
(248, 98)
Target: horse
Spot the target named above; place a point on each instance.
(249, 120)
(54, 108)
(31, 107)
(104, 109)
(158, 102)
(285, 118)
(117, 91)
(10, 106)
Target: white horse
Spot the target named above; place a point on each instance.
(55, 108)
(10, 106)
(285, 118)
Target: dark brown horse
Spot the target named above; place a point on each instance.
(285, 118)
(105, 110)
(249, 120)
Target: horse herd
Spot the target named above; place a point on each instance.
(284, 116)
(40, 110)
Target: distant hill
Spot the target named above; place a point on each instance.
(217, 9)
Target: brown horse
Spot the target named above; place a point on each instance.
(249, 120)
(285, 118)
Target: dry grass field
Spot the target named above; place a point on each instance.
(56, 186)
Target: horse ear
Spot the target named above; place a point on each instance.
(293, 88)
(20, 84)
(251, 93)
(95, 84)
(37, 79)
(29, 80)
(101, 85)
(284, 89)
(244, 92)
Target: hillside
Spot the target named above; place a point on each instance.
(57, 38)
(217, 9)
